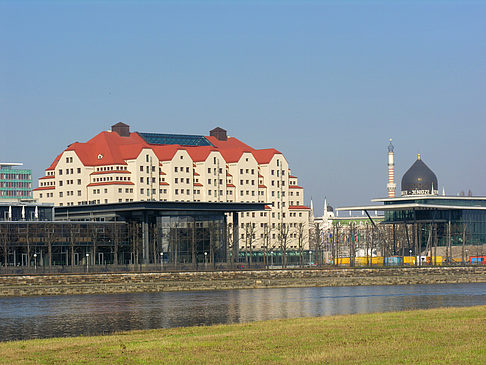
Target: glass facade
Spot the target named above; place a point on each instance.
(192, 239)
(15, 183)
(464, 223)
(75, 244)
(179, 139)
(28, 212)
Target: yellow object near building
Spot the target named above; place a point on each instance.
(362, 261)
(434, 260)
(409, 260)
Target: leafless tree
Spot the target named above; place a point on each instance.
(283, 237)
(4, 233)
(317, 240)
(267, 239)
(250, 238)
(93, 234)
(230, 242)
(51, 237)
(301, 235)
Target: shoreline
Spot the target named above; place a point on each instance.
(416, 336)
(74, 284)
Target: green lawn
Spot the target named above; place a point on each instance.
(437, 336)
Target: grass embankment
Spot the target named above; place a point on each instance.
(446, 336)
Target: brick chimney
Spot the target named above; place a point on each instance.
(219, 133)
(122, 129)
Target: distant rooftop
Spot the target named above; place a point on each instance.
(178, 139)
(10, 164)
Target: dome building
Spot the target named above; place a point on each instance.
(436, 228)
(419, 180)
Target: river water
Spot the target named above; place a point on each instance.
(73, 315)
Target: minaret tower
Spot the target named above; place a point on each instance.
(391, 172)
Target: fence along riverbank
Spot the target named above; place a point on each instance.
(102, 283)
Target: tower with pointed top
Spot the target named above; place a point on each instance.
(391, 186)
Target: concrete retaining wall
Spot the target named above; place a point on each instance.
(155, 282)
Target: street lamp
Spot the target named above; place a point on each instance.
(87, 261)
(161, 260)
(271, 258)
(410, 252)
(35, 262)
(310, 257)
(205, 260)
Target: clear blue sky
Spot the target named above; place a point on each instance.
(325, 82)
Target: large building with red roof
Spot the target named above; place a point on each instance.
(122, 166)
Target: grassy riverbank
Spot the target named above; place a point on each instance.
(448, 335)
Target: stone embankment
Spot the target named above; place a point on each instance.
(62, 284)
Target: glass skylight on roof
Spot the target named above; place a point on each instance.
(179, 139)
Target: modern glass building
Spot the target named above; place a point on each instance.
(421, 220)
(15, 184)
(120, 236)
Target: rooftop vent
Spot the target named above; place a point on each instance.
(219, 133)
(122, 129)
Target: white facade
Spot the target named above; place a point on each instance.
(111, 168)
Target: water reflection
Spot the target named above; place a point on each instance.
(37, 317)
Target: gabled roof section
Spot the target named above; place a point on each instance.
(165, 153)
(199, 154)
(265, 156)
(110, 148)
(232, 154)
(107, 148)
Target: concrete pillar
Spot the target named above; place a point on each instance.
(236, 236)
(145, 239)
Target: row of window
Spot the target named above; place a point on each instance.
(111, 168)
(264, 214)
(69, 193)
(15, 193)
(69, 182)
(110, 178)
(47, 183)
(23, 185)
(48, 195)
(181, 169)
(13, 176)
(70, 171)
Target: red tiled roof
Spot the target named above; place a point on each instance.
(198, 184)
(196, 174)
(164, 183)
(47, 177)
(265, 156)
(111, 183)
(233, 154)
(268, 207)
(162, 173)
(111, 172)
(293, 177)
(230, 186)
(295, 187)
(230, 143)
(201, 153)
(292, 207)
(54, 163)
(109, 148)
(262, 186)
(44, 188)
